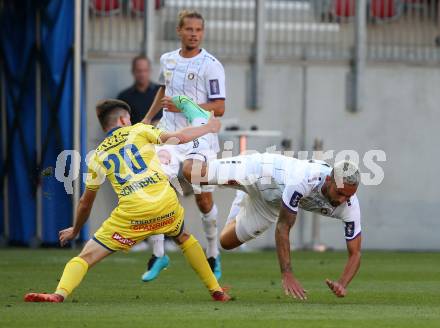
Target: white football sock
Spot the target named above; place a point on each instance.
(158, 248)
(209, 221)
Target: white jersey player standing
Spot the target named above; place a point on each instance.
(193, 72)
(271, 189)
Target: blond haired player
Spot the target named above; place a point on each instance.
(194, 72)
(147, 203)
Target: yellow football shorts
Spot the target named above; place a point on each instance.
(122, 231)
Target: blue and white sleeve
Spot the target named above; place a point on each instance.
(352, 219)
(215, 81)
(292, 194)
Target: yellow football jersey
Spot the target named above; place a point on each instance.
(128, 159)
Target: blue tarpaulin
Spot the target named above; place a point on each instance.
(57, 34)
(20, 58)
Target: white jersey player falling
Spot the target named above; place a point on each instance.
(268, 181)
(202, 78)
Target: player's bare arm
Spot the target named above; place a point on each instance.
(217, 106)
(291, 286)
(83, 210)
(190, 133)
(155, 106)
(339, 288)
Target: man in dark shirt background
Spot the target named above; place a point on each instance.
(141, 94)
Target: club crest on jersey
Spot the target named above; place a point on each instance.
(324, 211)
(349, 229)
(191, 76)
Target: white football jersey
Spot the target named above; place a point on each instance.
(278, 179)
(202, 78)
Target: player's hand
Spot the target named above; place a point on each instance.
(66, 235)
(292, 286)
(214, 124)
(336, 288)
(168, 105)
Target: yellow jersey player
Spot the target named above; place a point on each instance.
(147, 203)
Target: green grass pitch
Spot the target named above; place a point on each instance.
(392, 290)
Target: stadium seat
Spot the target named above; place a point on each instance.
(138, 6)
(105, 7)
(343, 8)
(385, 9)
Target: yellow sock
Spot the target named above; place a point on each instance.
(74, 272)
(194, 254)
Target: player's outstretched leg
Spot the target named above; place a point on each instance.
(158, 261)
(190, 109)
(73, 273)
(193, 252)
(228, 236)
